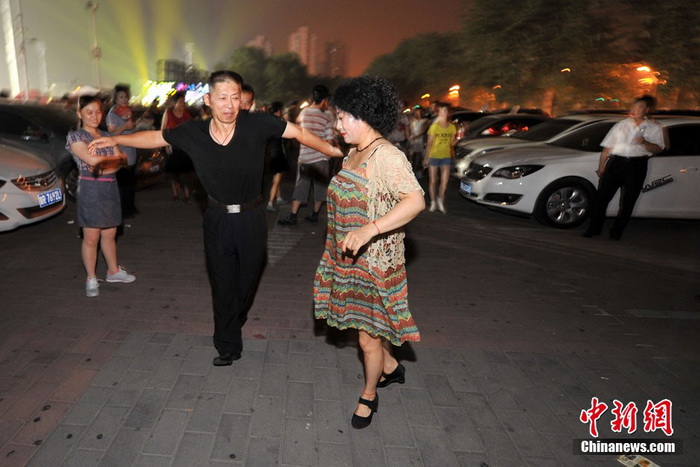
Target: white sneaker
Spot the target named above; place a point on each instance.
(271, 207)
(92, 288)
(432, 206)
(441, 206)
(120, 276)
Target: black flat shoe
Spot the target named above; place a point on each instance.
(396, 376)
(358, 422)
(226, 359)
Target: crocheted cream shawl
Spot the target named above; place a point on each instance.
(391, 175)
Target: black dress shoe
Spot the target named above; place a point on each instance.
(615, 236)
(358, 422)
(226, 358)
(396, 376)
(289, 220)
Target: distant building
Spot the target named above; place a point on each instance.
(262, 43)
(334, 61)
(171, 70)
(178, 71)
(303, 43)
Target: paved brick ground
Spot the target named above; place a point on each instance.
(513, 349)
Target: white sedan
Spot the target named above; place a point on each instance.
(30, 190)
(556, 181)
(468, 149)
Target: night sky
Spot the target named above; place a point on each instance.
(134, 34)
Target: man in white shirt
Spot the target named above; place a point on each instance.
(623, 165)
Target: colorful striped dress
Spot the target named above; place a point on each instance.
(355, 292)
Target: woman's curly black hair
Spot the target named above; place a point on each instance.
(372, 99)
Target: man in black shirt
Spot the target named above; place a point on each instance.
(228, 153)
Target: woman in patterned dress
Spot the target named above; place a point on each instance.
(361, 280)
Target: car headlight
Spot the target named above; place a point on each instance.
(517, 171)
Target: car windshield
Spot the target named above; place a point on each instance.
(59, 121)
(546, 130)
(587, 138)
(55, 120)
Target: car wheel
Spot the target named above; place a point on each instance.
(565, 203)
(70, 178)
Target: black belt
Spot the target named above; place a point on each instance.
(630, 159)
(234, 208)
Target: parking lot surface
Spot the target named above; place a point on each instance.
(522, 326)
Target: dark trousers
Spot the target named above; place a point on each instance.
(126, 179)
(620, 173)
(235, 247)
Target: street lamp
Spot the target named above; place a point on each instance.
(454, 94)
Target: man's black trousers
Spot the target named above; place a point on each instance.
(235, 247)
(627, 174)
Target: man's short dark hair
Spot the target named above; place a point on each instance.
(318, 93)
(275, 107)
(648, 100)
(248, 88)
(222, 76)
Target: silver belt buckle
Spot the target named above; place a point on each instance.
(233, 208)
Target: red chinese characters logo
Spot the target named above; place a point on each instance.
(592, 415)
(625, 417)
(656, 416)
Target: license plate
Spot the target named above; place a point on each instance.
(466, 187)
(50, 197)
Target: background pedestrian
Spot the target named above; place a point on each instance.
(178, 164)
(98, 202)
(439, 154)
(623, 165)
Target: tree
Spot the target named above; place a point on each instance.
(673, 48)
(524, 48)
(425, 63)
(285, 78)
(249, 62)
